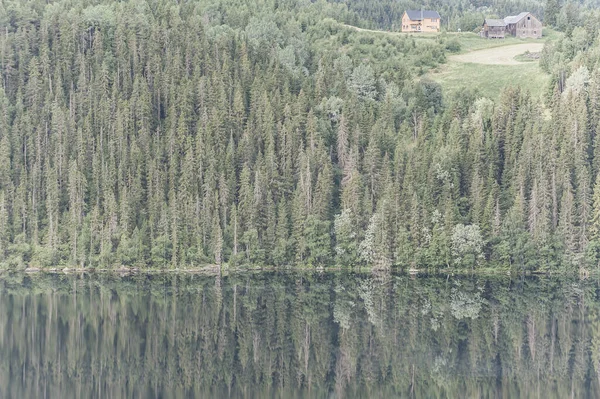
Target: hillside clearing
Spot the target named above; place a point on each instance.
(489, 70)
(489, 80)
(499, 55)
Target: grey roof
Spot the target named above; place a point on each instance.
(515, 18)
(415, 15)
(494, 22)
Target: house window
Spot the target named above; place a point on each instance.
(433, 19)
(529, 18)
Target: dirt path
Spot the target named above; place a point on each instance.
(395, 33)
(356, 28)
(498, 55)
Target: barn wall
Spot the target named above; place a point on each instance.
(496, 32)
(525, 28)
(529, 27)
(493, 32)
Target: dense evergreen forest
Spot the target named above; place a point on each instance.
(156, 133)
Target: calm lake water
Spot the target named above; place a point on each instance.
(286, 335)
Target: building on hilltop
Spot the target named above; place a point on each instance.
(420, 21)
(493, 29)
(524, 25)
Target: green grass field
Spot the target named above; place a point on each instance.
(489, 80)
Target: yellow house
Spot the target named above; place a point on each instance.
(420, 21)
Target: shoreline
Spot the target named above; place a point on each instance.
(214, 270)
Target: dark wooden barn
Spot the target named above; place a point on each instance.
(524, 25)
(493, 29)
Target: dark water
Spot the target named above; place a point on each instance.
(297, 335)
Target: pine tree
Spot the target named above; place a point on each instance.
(4, 225)
(551, 11)
(595, 218)
(171, 143)
(345, 239)
(281, 250)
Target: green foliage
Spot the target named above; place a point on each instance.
(162, 134)
(387, 14)
(318, 241)
(453, 45)
(467, 244)
(162, 250)
(362, 82)
(551, 12)
(346, 239)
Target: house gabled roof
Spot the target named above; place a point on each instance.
(494, 22)
(513, 19)
(418, 15)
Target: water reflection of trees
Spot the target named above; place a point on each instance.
(287, 334)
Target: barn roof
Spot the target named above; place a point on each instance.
(494, 22)
(513, 19)
(417, 15)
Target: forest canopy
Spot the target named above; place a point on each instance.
(158, 133)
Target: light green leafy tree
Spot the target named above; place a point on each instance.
(467, 245)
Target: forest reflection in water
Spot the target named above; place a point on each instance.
(286, 335)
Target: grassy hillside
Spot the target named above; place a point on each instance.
(490, 79)
(452, 75)
(471, 41)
